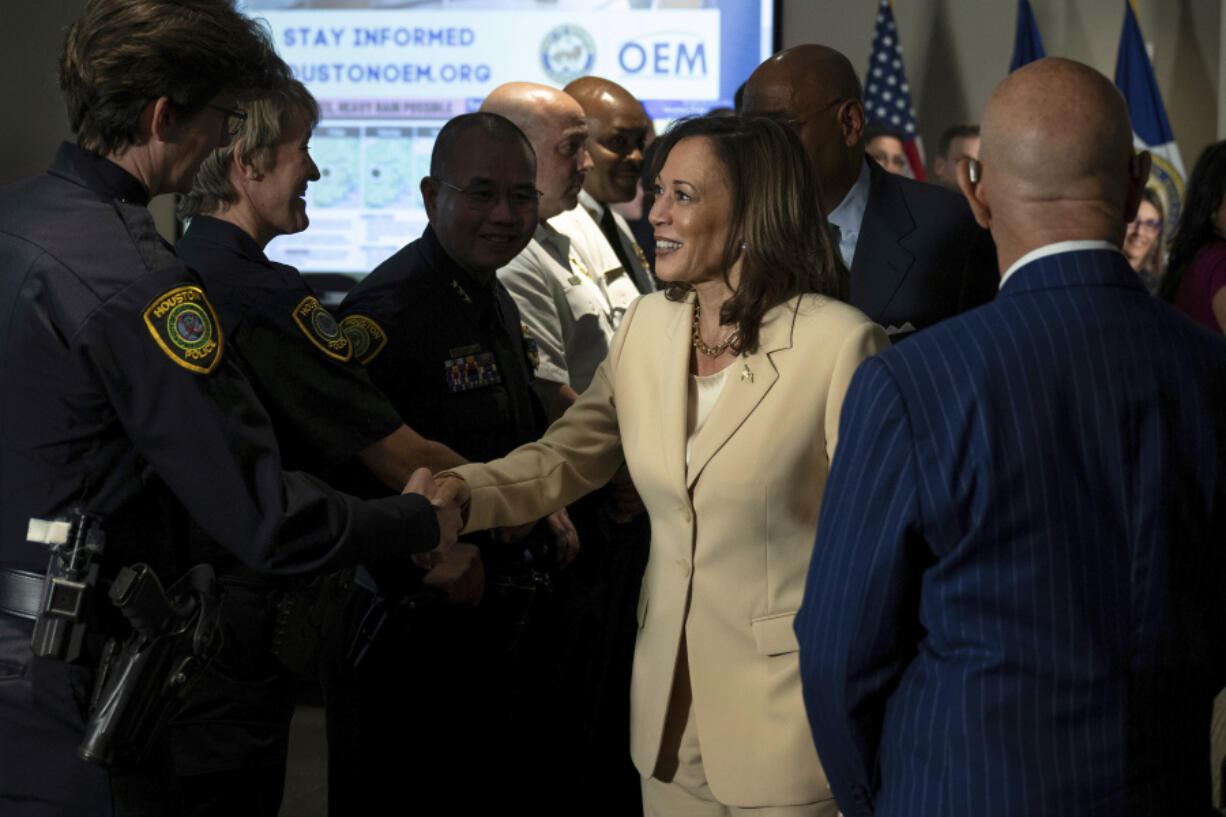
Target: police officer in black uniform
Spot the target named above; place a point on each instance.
(443, 339)
(122, 411)
(229, 740)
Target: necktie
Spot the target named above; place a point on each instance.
(609, 227)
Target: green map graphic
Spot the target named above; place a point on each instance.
(390, 180)
(337, 153)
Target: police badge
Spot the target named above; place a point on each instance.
(185, 327)
(321, 328)
(365, 336)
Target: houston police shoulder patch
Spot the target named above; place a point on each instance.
(185, 327)
(365, 336)
(322, 329)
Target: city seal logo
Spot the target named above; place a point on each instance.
(567, 52)
(322, 329)
(185, 327)
(365, 336)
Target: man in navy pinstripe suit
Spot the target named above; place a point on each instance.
(1016, 600)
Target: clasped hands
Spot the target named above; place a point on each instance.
(451, 490)
(455, 567)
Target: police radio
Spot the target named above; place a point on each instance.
(75, 543)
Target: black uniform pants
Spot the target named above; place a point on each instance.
(42, 706)
(454, 710)
(230, 738)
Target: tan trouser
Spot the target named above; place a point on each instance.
(678, 788)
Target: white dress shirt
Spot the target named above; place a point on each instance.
(1053, 249)
(850, 214)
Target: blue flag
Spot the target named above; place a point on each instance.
(1027, 44)
(1134, 76)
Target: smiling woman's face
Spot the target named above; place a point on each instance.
(691, 214)
(277, 195)
(1142, 232)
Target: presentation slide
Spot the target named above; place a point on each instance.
(389, 73)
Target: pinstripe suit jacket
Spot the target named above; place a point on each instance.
(1016, 602)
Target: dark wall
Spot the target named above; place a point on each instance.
(31, 33)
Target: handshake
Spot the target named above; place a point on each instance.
(451, 566)
(455, 567)
(449, 496)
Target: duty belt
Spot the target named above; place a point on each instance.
(21, 592)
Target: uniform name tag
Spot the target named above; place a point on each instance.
(465, 351)
(185, 327)
(365, 336)
(471, 372)
(322, 329)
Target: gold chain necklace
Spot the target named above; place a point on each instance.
(719, 348)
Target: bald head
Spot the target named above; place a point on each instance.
(1057, 159)
(816, 88)
(616, 136)
(556, 126)
(596, 92)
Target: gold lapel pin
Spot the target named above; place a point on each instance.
(746, 376)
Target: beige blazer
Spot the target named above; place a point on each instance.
(731, 534)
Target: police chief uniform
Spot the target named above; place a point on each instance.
(230, 739)
(452, 355)
(122, 399)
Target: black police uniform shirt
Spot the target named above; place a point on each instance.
(121, 398)
(324, 411)
(449, 351)
(323, 406)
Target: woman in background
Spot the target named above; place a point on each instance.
(722, 396)
(1196, 277)
(1143, 244)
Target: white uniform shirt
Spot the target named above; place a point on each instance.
(559, 284)
(631, 247)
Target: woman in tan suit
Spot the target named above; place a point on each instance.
(722, 395)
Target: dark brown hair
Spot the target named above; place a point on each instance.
(777, 216)
(121, 54)
(1197, 222)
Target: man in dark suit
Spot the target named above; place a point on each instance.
(915, 254)
(1026, 511)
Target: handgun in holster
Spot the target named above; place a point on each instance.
(175, 633)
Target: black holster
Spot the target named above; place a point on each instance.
(174, 635)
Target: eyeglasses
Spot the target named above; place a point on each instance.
(484, 199)
(234, 117)
(1147, 225)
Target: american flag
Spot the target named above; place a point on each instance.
(887, 95)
